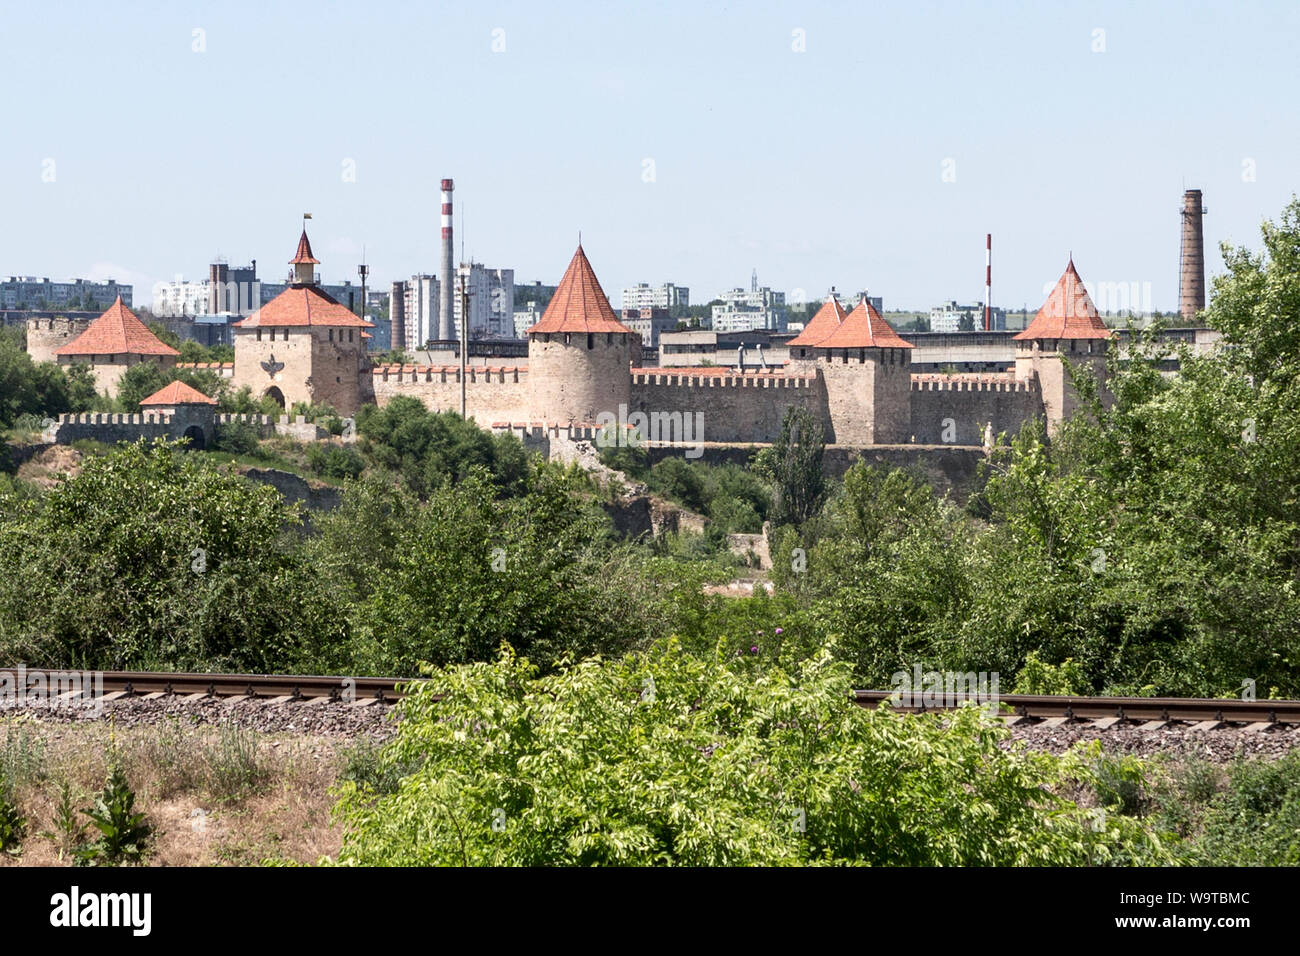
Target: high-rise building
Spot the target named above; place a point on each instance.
(744, 310)
(179, 297)
(419, 309)
(649, 324)
(948, 317)
(28, 292)
(491, 301)
(666, 296)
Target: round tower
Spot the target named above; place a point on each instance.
(46, 335)
(579, 354)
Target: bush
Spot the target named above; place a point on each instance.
(236, 438)
(685, 762)
(335, 461)
(123, 834)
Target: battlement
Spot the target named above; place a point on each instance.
(249, 419)
(971, 382)
(223, 369)
(719, 378)
(114, 418)
(503, 374)
(574, 431)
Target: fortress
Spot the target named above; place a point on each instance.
(848, 368)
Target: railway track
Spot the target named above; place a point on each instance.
(115, 685)
(1149, 713)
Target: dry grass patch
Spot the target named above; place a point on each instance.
(211, 795)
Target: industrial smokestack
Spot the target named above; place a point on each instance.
(397, 314)
(1191, 277)
(446, 328)
(988, 282)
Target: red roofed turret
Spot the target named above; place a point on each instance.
(864, 328)
(1068, 313)
(304, 252)
(118, 331)
(821, 325)
(579, 303)
(177, 393)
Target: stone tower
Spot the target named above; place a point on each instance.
(303, 346)
(46, 336)
(867, 369)
(1067, 328)
(579, 354)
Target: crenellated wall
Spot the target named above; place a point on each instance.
(735, 407)
(194, 422)
(492, 394)
(954, 409)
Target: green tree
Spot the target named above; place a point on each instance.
(153, 559)
(794, 467)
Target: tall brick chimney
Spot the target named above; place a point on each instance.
(1191, 274)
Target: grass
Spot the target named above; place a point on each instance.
(211, 795)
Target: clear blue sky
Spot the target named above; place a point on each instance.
(817, 168)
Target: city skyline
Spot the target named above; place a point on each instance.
(1059, 132)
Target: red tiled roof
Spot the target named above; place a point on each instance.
(864, 327)
(178, 393)
(579, 303)
(1068, 313)
(821, 325)
(117, 332)
(302, 305)
(304, 252)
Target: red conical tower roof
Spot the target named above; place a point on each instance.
(864, 327)
(304, 256)
(178, 393)
(117, 332)
(822, 325)
(579, 303)
(1068, 312)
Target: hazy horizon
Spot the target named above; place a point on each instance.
(817, 143)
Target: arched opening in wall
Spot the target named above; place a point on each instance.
(275, 393)
(197, 442)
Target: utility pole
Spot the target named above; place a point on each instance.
(464, 342)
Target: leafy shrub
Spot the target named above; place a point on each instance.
(335, 461)
(123, 834)
(1039, 677)
(236, 438)
(670, 760)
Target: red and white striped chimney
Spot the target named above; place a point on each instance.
(446, 326)
(988, 282)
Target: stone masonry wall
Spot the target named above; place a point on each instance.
(492, 395)
(954, 409)
(744, 408)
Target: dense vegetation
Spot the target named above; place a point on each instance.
(1152, 546)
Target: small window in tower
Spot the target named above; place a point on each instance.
(349, 335)
(862, 355)
(259, 335)
(331, 335)
(590, 343)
